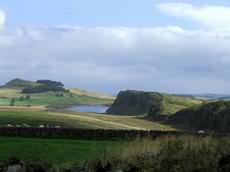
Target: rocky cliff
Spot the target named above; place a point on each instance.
(131, 102)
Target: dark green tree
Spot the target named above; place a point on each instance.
(12, 102)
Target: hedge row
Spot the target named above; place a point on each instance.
(83, 133)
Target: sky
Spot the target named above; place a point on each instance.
(153, 45)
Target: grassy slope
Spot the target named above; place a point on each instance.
(172, 104)
(81, 92)
(48, 98)
(36, 116)
(59, 152)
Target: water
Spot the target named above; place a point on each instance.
(89, 108)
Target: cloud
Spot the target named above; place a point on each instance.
(208, 15)
(168, 59)
(2, 18)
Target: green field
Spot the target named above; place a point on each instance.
(60, 152)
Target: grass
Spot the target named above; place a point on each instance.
(81, 92)
(36, 116)
(133, 121)
(60, 152)
(9, 92)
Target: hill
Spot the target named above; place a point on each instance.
(20, 83)
(131, 102)
(207, 96)
(19, 92)
(213, 116)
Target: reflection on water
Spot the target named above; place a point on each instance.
(89, 108)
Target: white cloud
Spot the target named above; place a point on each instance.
(208, 15)
(2, 18)
(159, 58)
(169, 59)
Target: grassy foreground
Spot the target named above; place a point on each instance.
(171, 154)
(164, 154)
(59, 152)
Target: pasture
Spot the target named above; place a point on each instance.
(34, 117)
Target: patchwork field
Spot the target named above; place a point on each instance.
(52, 99)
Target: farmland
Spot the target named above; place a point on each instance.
(47, 99)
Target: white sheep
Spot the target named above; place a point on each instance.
(201, 132)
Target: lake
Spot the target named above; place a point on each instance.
(89, 108)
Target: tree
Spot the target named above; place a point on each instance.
(12, 102)
(27, 97)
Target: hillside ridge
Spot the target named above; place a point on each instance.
(212, 116)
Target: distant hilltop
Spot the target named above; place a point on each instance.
(40, 86)
(35, 87)
(20, 83)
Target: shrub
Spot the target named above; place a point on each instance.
(176, 154)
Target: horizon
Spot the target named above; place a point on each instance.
(179, 47)
(116, 93)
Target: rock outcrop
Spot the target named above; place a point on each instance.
(132, 102)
